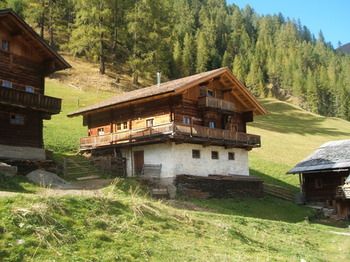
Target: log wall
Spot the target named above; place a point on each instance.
(29, 134)
(219, 186)
(322, 186)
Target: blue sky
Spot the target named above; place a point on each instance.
(330, 16)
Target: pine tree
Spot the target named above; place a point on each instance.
(202, 63)
(188, 56)
(177, 56)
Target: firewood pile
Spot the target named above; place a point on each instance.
(216, 186)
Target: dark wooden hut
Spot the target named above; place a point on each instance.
(323, 176)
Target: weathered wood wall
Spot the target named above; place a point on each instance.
(29, 134)
(329, 182)
(165, 110)
(20, 72)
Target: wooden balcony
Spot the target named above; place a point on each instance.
(23, 99)
(212, 102)
(174, 131)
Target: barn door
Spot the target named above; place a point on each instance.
(138, 162)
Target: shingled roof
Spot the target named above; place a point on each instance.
(333, 155)
(168, 88)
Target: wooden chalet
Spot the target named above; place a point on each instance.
(194, 125)
(323, 176)
(25, 61)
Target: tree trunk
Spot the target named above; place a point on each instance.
(135, 78)
(102, 57)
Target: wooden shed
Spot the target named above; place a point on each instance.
(323, 176)
(25, 61)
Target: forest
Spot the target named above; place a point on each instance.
(272, 55)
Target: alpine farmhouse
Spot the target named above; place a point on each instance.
(194, 125)
(25, 61)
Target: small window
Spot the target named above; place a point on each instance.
(210, 93)
(212, 124)
(214, 155)
(101, 131)
(196, 153)
(6, 83)
(186, 120)
(149, 122)
(231, 156)
(5, 45)
(29, 89)
(122, 126)
(16, 119)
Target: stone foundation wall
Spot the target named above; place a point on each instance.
(219, 186)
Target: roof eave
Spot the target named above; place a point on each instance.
(85, 112)
(63, 63)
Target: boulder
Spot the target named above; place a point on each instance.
(8, 170)
(46, 179)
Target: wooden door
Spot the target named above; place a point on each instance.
(138, 161)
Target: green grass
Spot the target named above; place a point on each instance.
(16, 184)
(61, 134)
(126, 225)
(289, 134)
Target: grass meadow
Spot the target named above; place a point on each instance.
(125, 224)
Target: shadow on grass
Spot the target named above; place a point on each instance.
(272, 180)
(285, 118)
(17, 184)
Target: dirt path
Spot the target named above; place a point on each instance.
(90, 188)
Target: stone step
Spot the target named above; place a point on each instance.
(87, 178)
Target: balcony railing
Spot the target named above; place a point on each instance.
(216, 103)
(34, 101)
(175, 130)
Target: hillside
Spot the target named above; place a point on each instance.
(271, 54)
(121, 223)
(344, 48)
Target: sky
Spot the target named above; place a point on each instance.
(332, 17)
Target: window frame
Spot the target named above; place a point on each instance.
(5, 45)
(150, 120)
(231, 156)
(27, 88)
(215, 155)
(17, 119)
(196, 154)
(210, 93)
(210, 124)
(10, 84)
(184, 118)
(101, 131)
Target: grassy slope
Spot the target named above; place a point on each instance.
(289, 134)
(61, 134)
(127, 226)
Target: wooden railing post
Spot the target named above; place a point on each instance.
(64, 167)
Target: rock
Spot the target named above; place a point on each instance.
(8, 170)
(45, 178)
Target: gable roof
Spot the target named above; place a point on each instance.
(333, 155)
(60, 63)
(171, 88)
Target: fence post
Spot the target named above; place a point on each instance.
(64, 167)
